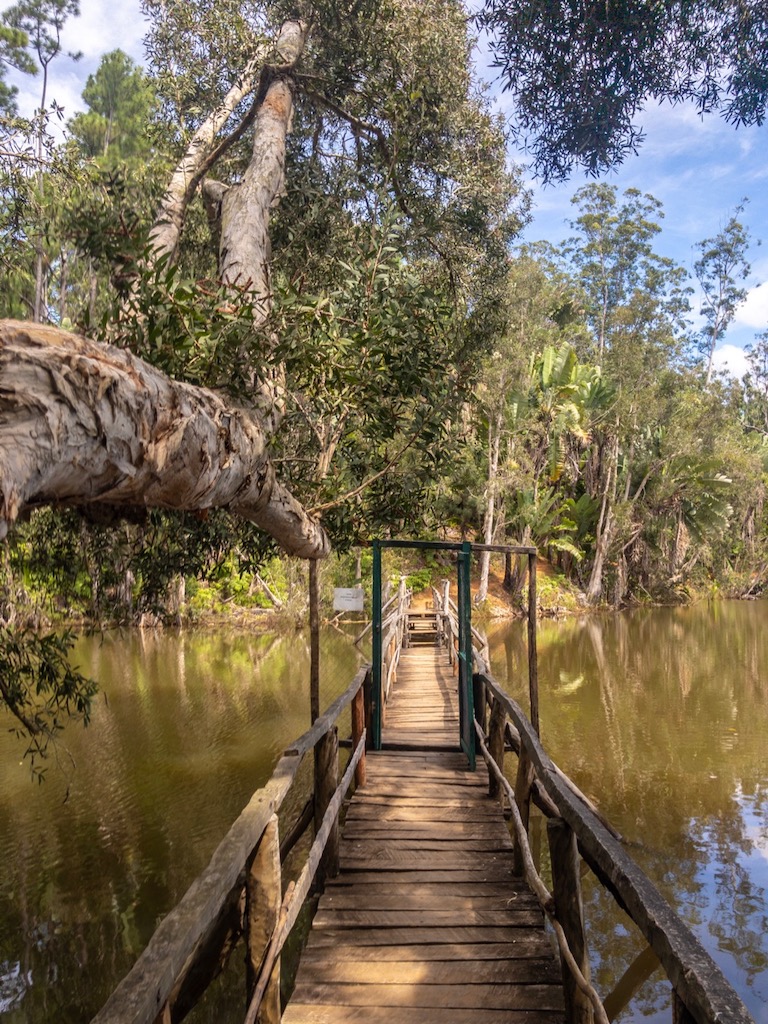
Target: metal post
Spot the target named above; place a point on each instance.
(376, 695)
(466, 697)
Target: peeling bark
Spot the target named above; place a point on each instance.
(245, 249)
(169, 222)
(84, 423)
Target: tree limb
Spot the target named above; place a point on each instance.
(84, 423)
(366, 483)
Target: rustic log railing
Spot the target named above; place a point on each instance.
(700, 992)
(448, 618)
(394, 629)
(240, 893)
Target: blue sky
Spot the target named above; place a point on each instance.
(699, 169)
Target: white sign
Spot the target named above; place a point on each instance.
(348, 599)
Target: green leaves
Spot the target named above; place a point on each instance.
(39, 687)
(580, 74)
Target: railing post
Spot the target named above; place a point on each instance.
(680, 1012)
(496, 746)
(523, 784)
(358, 727)
(566, 886)
(326, 783)
(314, 640)
(263, 896)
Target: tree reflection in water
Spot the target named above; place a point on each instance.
(661, 717)
(92, 859)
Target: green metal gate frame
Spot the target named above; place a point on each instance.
(464, 552)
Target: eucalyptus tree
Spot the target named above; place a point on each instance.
(719, 268)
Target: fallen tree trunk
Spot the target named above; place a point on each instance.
(83, 423)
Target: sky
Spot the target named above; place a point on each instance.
(700, 169)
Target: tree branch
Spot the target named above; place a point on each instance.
(366, 483)
(83, 423)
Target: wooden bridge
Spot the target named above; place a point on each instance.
(426, 921)
(432, 908)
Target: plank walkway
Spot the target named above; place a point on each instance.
(425, 923)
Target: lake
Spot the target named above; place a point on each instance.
(660, 715)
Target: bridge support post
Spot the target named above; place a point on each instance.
(326, 784)
(566, 885)
(263, 896)
(478, 700)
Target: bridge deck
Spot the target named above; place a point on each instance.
(425, 922)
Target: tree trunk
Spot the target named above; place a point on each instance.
(196, 161)
(83, 423)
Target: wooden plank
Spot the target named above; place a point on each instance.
(441, 934)
(316, 1013)
(435, 972)
(530, 943)
(423, 873)
(373, 847)
(357, 829)
(431, 883)
(413, 901)
(409, 859)
(470, 997)
(425, 918)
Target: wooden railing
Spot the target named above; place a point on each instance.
(394, 628)
(448, 619)
(240, 894)
(701, 993)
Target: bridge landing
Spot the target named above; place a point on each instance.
(426, 921)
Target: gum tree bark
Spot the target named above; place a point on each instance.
(83, 423)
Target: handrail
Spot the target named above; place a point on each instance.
(393, 633)
(194, 939)
(704, 994)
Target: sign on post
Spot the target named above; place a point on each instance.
(348, 599)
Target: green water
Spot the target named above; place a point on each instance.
(660, 715)
(133, 807)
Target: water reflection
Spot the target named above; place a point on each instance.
(661, 717)
(187, 727)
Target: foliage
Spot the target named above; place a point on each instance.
(580, 74)
(40, 688)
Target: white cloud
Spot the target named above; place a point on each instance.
(753, 312)
(732, 360)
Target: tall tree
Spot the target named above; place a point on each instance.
(119, 101)
(719, 268)
(42, 22)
